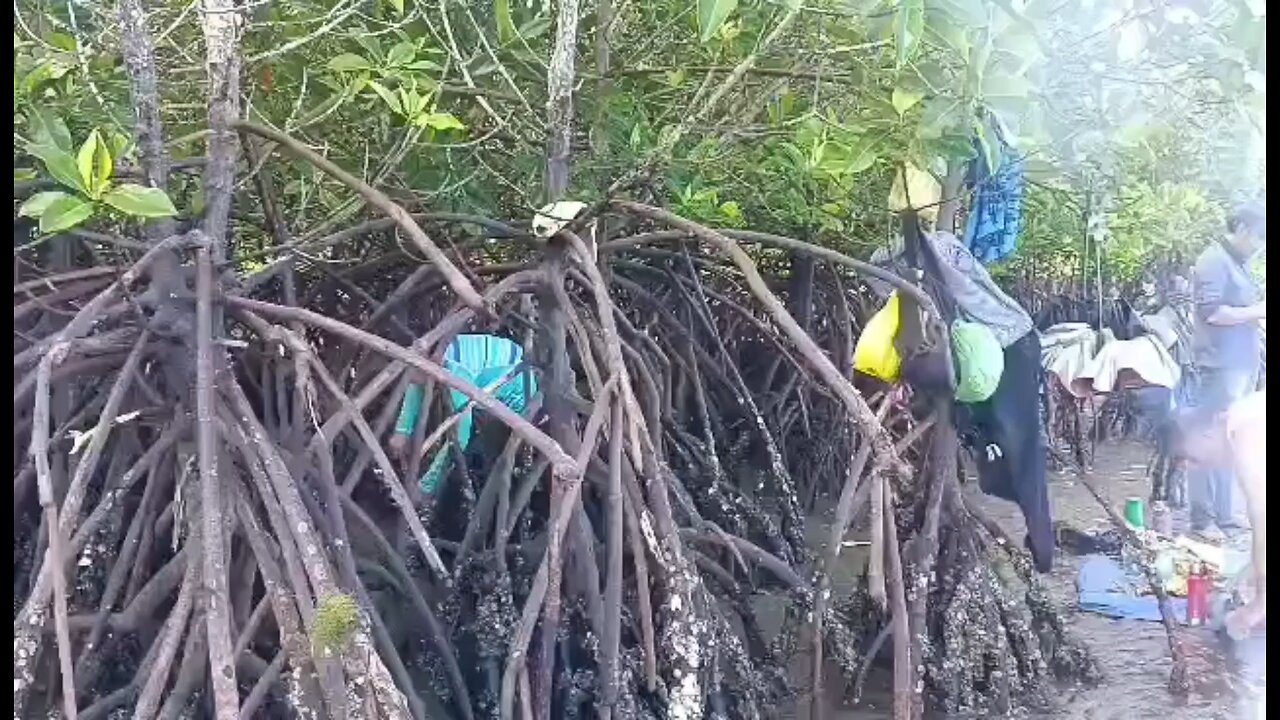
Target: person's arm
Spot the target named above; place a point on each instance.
(1228, 315)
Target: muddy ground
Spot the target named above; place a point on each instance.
(1134, 655)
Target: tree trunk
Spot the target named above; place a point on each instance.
(560, 79)
(222, 24)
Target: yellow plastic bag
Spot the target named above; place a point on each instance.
(875, 354)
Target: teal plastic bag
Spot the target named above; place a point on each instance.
(410, 408)
(979, 361)
(483, 360)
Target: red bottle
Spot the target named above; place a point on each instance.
(1197, 597)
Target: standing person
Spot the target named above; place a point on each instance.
(1235, 439)
(1227, 351)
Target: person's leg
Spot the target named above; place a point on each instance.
(1153, 406)
(1229, 506)
(1203, 485)
(1200, 484)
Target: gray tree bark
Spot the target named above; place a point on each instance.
(560, 79)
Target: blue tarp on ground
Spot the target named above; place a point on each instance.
(1105, 588)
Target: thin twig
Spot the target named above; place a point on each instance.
(379, 200)
(1179, 679)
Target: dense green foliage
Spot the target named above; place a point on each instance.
(1154, 108)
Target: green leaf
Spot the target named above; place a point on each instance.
(904, 99)
(849, 156)
(398, 5)
(908, 26)
(370, 44)
(971, 13)
(439, 121)
(140, 201)
(62, 41)
(914, 188)
(990, 149)
(506, 26)
(119, 144)
(349, 62)
(951, 147)
(60, 164)
(37, 204)
(23, 175)
(731, 212)
(793, 155)
(535, 28)
(46, 128)
(1005, 86)
(817, 154)
(976, 68)
(712, 14)
(94, 163)
(389, 97)
(65, 213)
(937, 115)
(948, 32)
(47, 71)
(401, 54)
(782, 106)
(408, 101)
(1021, 46)
(424, 66)
(864, 154)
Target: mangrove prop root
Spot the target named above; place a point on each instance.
(267, 519)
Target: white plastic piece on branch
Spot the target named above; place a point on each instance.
(80, 439)
(554, 217)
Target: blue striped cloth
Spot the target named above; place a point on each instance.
(996, 217)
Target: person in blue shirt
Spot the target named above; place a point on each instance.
(1227, 350)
